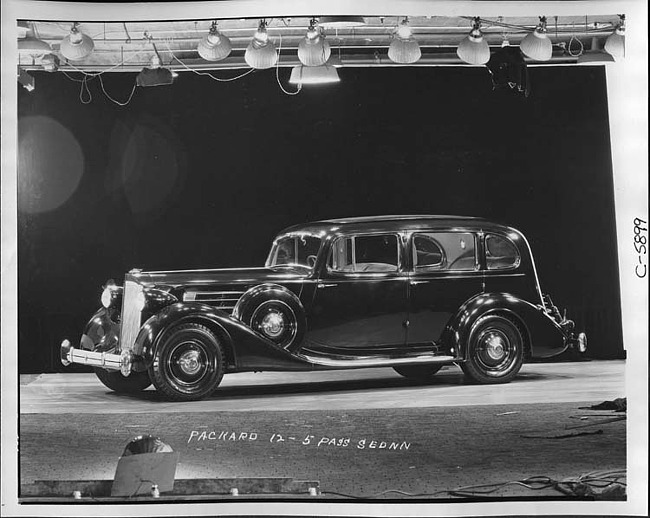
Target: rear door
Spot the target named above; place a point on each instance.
(361, 300)
(444, 274)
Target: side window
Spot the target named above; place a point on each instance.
(500, 252)
(364, 254)
(444, 251)
(427, 252)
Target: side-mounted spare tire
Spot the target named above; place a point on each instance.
(131, 384)
(275, 313)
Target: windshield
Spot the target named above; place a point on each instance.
(299, 250)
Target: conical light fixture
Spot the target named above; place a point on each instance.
(404, 48)
(76, 45)
(29, 44)
(595, 56)
(537, 45)
(310, 75)
(615, 43)
(261, 53)
(341, 22)
(214, 46)
(313, 49)
(473, 49)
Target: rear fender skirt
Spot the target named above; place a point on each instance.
(545, 337)
(247, 349)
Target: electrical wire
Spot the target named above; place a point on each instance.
(277, 73)
(198, 73)
(597, 480)
(101, 82)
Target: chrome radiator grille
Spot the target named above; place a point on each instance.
(224, 300)
(130, 322)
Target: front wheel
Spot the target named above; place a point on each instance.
(188, 363)
(418, 372)
(495, 352)
(131, 384)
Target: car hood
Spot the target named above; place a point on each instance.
(245, 276)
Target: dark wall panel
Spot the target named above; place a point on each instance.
(203, 174)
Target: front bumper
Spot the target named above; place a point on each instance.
(118, 362)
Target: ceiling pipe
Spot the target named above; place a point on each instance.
(349, 60)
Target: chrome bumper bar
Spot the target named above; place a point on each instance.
(117, 362)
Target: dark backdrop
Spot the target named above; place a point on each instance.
(204, 174)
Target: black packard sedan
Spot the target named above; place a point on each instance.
(411, 292)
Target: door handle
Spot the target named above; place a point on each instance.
(324, 285)
(415, 283)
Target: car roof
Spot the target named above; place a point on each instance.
(393, 223)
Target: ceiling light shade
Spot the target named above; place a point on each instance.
(615, 43)
(341, 22)
(404, 48)
(313, 49)
(537, 45)
(261, 53)
(304, 75)
(595, 56)
(31, 46)
(214, 46)
(473, 49)
(76, 45)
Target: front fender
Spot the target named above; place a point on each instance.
(544, 336)
(245, 349)
(101, 333)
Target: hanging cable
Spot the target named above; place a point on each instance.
(277, 73)
(198, 73)
(101, 82)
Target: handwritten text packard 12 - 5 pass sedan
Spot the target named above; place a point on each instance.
(411, 292)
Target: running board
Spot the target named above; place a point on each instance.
(376, 362)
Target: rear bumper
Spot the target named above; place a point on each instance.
(578, 342)
(109, 361)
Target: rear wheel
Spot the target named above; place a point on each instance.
(131, 384)
(495, 352)
(188, 364)
(418, 372)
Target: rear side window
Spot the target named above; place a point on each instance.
(500, 252)
(365, 254)
(444, 251)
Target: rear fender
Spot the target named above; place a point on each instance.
(543, 336)
(245, 349)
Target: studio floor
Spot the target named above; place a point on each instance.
(359, 434)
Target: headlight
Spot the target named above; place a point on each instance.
(107, 297)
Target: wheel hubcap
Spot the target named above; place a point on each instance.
(273, 324)
(495, 346)
(190, 362)
(494, 351)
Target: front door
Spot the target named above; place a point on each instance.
(361, 300)
(445, 273)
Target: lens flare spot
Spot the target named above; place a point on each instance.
(50, 164)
